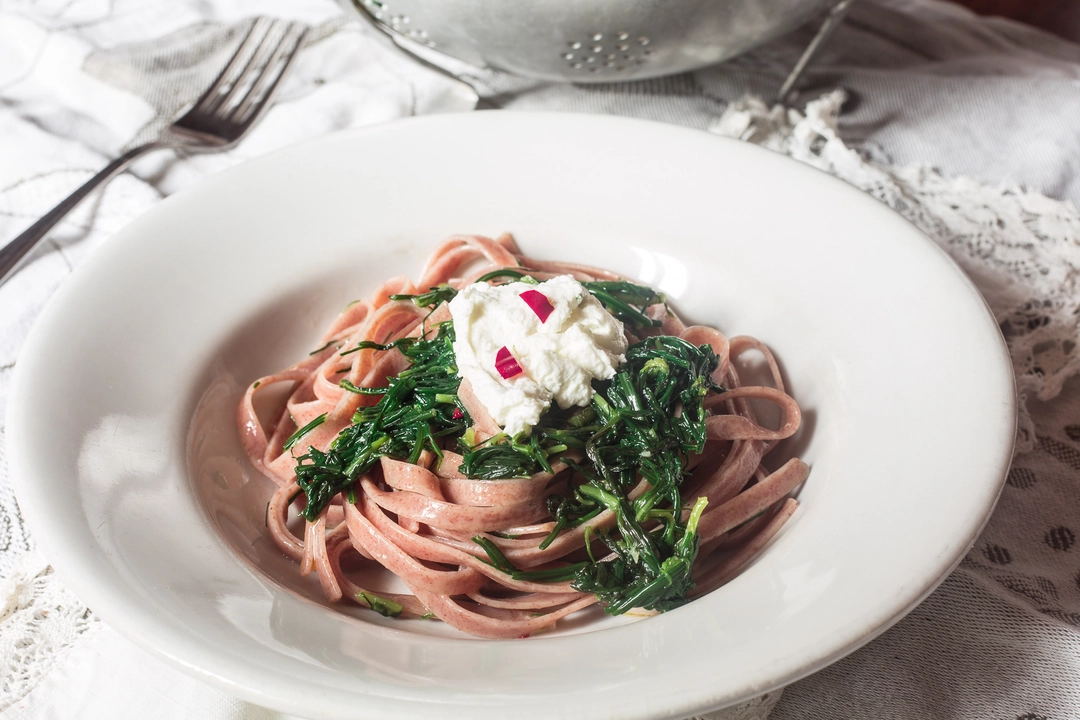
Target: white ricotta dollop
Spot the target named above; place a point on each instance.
(560, 357)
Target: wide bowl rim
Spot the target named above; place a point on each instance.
(239, 675)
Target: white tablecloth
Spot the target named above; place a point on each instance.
(947, 116)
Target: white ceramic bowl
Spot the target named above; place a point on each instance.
(126, 463)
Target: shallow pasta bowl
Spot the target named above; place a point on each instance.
(126, 463)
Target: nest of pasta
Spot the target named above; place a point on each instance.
(652, 494)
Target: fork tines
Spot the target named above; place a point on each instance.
(247, 83)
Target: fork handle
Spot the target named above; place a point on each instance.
(12, 254)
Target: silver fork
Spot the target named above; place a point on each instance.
(217, 120)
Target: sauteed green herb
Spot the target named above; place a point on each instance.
(644, 422)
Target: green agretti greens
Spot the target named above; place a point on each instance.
(415, 410)
(643, 422)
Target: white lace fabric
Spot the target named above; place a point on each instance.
(1000, 638)
(1019, 248)
(40, 621)
(1013, 603)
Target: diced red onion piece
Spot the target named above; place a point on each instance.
(506, 364)
(539, 303)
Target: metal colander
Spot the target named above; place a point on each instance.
(589, 40)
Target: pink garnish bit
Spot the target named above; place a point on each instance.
(506, 364)
(539, 303)
(457, 415)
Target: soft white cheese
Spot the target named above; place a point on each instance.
(580, 341)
